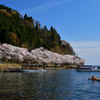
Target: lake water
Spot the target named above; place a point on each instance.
(51, 85)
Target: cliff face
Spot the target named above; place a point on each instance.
(39, 55)
(26, 32)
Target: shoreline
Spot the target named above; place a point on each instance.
(15, 67)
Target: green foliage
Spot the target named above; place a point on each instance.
(26, 32)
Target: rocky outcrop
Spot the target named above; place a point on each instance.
(40, 55)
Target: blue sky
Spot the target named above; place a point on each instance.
(77, 21)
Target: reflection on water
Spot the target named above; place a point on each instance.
(50, 85)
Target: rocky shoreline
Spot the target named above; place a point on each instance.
(19, 68)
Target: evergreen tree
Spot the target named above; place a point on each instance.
(28, 33)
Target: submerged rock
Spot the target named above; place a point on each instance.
(39, 55)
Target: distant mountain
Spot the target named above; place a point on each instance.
(24, 31)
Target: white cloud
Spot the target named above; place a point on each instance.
(89, 50)
(87, 44)
(45, 6)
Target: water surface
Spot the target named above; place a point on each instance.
(51, 85)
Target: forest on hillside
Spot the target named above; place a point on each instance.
(24, 31)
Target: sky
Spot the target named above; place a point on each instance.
(77, 21)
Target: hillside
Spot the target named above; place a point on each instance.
(24, 31)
